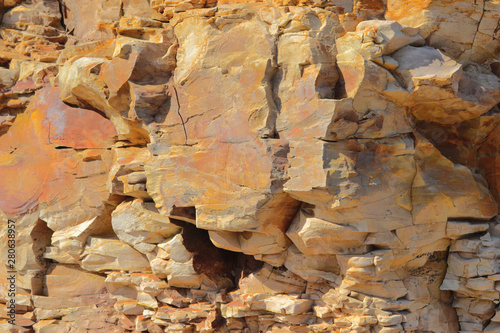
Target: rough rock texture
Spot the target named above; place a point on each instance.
(251, 166)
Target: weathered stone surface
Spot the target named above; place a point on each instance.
(279, 304)
(470, 201)
(440, 90)
(488, 158)
(67, 244)
(107, 254)
(341, 178)
(262, 207)
(316, 236)
(273, 281)
(239, 166)
(179, 270)
(440, 23)
(46, 125)
(312, 267)
(71, 280)
(232, 155)
(139, 224)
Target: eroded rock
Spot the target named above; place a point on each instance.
(238, 166)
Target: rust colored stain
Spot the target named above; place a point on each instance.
(116, 72)
(352, 78)
(371, 4)
(23, 86)
(32, 170)
(72, 127)
(401, 9)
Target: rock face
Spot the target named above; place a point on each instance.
(250, 166)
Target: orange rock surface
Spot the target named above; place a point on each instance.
(37, 166)
(250, 166)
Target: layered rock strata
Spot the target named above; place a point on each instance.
(239, 166)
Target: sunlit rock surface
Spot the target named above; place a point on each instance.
(250, 166)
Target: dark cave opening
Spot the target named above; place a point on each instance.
(212, 261)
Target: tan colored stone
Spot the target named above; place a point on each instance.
(440, 90)
(70, 280)
(488, 159)
(330, 176)
(315, 236)
(101, 254)
(440, 22)
(279, 304)
(355, 156)
(256, 196)
(312, 267)
(471, 201)
(272, 281)
(61, 168)
(67, 244)
(456, 229)
(388, 34)
(236, 153)
(136, 222)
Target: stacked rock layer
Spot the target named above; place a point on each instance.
(251, 166)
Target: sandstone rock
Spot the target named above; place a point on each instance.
(354, 193)
(8, 77)
(312, 267)
(235, 153)
(439, 88)
(279, 304)
(237, 166)
(461, 142)
(129, 161)
(70, 280)
(184, 315)
(488, 161)
(101, 254)
(183, 268)
(88, 22)
(136, 223)
(272, 281)
(82, 171)
(67, 244)
(456, 229)
(483, 208)
(439, 23)
(315, 236)
(389, 35)
(100, 83)
(484, 46)
(472, 276)
(256, 197)
(183, 275)
(36, 27)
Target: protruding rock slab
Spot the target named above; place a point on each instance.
(71, 280)
(139, 224)
(343, 179)
(440, 90)
(221, 183)
(108, 254)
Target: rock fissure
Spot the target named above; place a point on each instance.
(179, 113)
(478, 23)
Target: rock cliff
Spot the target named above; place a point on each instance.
(250, 166)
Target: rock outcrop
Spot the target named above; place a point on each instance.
(250, 166)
